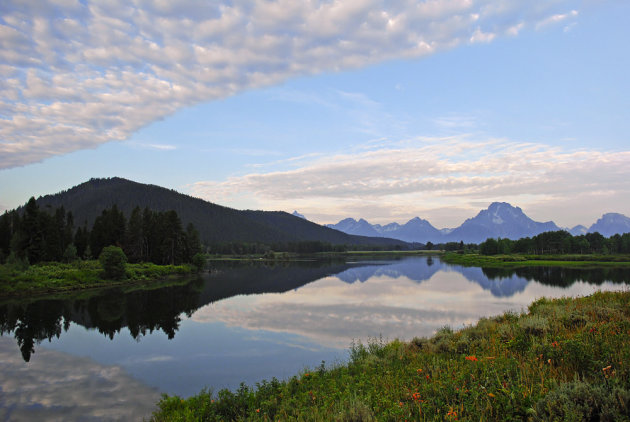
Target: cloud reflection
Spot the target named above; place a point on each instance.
(58, 386)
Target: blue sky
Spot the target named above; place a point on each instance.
(373, 109)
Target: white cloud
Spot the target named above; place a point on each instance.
(77, 75)
(422, 177)
(554, 19)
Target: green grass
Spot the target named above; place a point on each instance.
(58, 277)
(518, 260)
(566, 359)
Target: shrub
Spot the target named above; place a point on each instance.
(578, 401)
(534, 325)
(199, 261)
(113, 261)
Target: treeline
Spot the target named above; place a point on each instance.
(558, 242)
(37, 235)
(303, 247)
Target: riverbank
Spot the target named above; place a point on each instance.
(53, 277)
(563, 359)
(517, 260)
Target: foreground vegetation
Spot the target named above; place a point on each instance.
(566, 359)
(58, 277)
(527, 260)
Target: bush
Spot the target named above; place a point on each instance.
(113, 261)
(199, 261)
(578, 401)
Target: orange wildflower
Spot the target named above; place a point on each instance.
(472, 358)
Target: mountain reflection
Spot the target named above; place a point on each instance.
(159, 308)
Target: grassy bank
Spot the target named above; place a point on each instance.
(58, 277)
(517, 260)
(566, 359)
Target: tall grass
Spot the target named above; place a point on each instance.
(566, 359)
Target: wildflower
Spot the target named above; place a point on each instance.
(472, 358)
(257, 410)
(490, 395)
(419, 371)
(451, 413)
(549, 361)
(554, 344)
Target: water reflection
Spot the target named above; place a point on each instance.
(396, 298)
(401, 299)
(63, 387)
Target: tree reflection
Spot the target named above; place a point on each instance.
(562, 276)
(160, 307)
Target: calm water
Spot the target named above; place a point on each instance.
(109, 354)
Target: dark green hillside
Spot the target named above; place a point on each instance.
(215, 223)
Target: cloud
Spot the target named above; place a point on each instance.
(77, 74)
(156, 147)
(554, 19)
(425, 175)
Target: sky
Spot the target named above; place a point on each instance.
(383, 110)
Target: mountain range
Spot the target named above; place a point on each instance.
(216, 224)
(500, 219)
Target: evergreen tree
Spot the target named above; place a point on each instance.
(81, 241)
(192, 244)
(32, 243)
(5, 236)
(134, 246)
(108, 229)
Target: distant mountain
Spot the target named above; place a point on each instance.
(411, 231)
(352, 226)
(499, 220)
(215, 223)
(578, 230)
(297, 214)
(416, 229)
(611, 224)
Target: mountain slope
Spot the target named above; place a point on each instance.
(354, 227)
(499, 220)
(610, 224)
(215, 223)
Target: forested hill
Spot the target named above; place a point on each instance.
(215, 223)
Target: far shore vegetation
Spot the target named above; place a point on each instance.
(565, 359)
